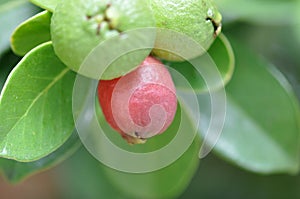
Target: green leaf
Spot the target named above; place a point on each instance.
(168, 182)
(49, 5)
(36, 106)
(31, 33)
(259, 12)
(16, 171)
(12, 13)
(261, 131)
(221, 54)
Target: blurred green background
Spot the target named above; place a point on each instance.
(267, 30)
(82, 177)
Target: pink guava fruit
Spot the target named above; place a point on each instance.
(140, 104)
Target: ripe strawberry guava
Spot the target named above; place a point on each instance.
(140, 104)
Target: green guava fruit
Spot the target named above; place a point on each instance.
(79, 26)
(140, 104)
(197, 20)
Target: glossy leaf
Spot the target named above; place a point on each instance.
(261, 131)
(31, 33)
(36, 106)
(262, 12)
(46, 4)
(16, 171)
(168, 182)
(12, 13)
(221, 54)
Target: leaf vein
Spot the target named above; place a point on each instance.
(55, 80)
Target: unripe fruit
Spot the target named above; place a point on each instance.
(79, 26)
(140, 104)
(199, 20)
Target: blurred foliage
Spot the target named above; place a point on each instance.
(8, 60)
(214, 179)
(12, 13)
(262, 130)
(264, 12)
(101, 181)
(217, 179)
(266, 32)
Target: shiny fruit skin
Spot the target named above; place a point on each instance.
(140, 104)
